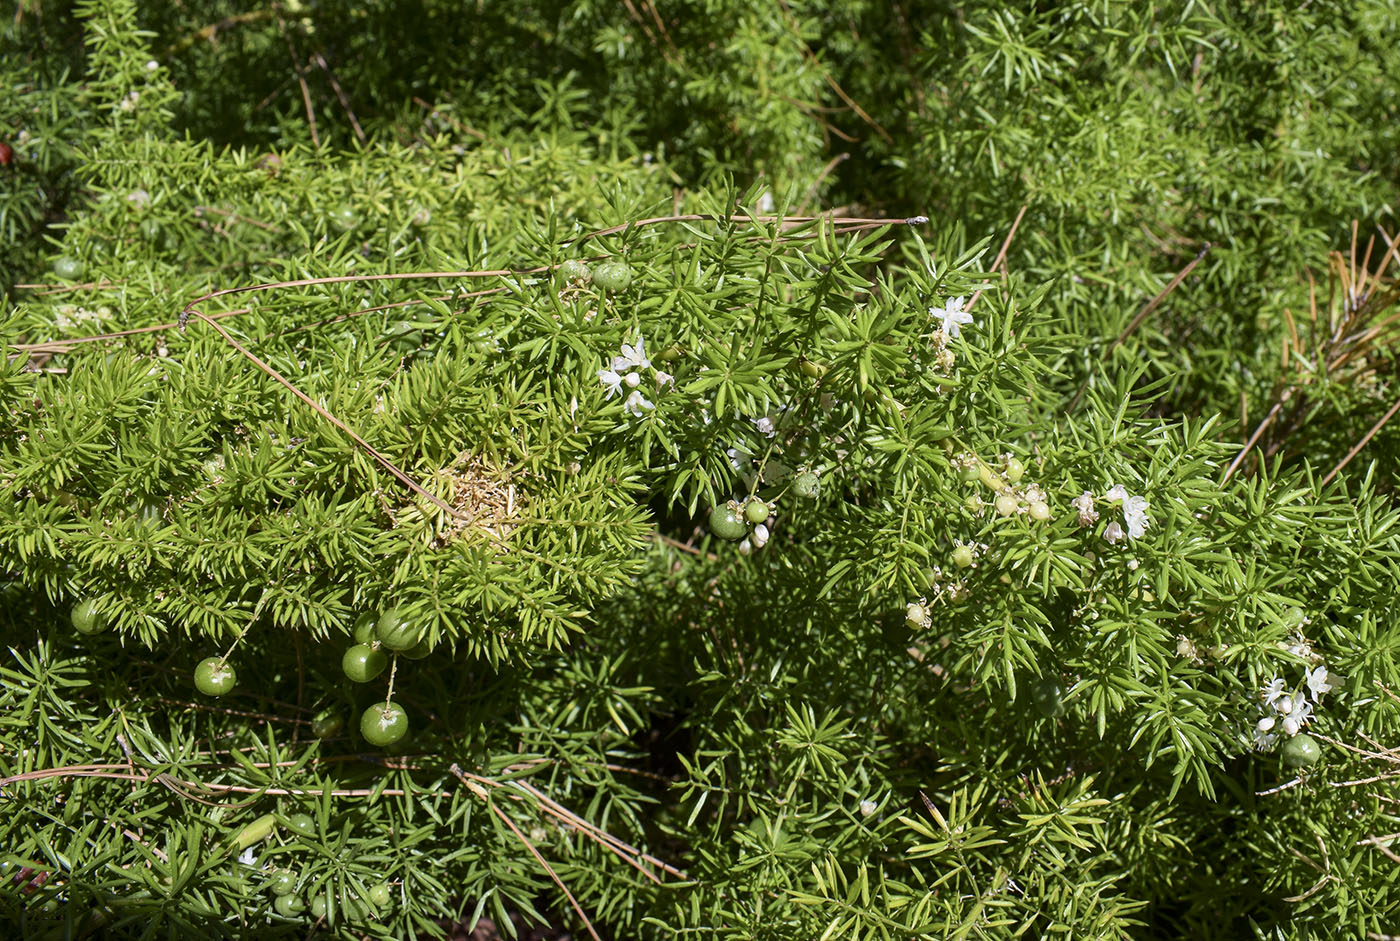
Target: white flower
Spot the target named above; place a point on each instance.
(632, 356)
(632, 380)
(1135, 515)
(1263, 741)
(1084, 503)
(1320, 681)
(1272, 691)
(1265, 724)
(636, 403)
(745, 547)
(611, 381)
(952, 316)
(1134, 510)
(1113, 532)
(765, 425)
(152, 65)
(247, 857)
(666, 379)
(868, 807)
(1298, 716)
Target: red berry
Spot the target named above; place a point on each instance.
(7, 154)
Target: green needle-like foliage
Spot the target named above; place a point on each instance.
(1010, 551)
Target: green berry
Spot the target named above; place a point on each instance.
(319, 907)
(726, 524)
(756, 511)
(328, 724)
(150, 229)
(1040, 511)
(1301, 751)
(969, 473)
(363, 631)
(363, 663)
(344, 218)
(574, 271)
(916, 616)
(806, 485)
(214, 677)
(283, 882)
(396, 632)
(1007, 504)
(1048, 697)
(1015, 470)
(289, 906)
(612, 276)
(419, 650)
(302, 824)
(378, 895)
(87, 619)
(384, 723)
(962, 556)
(68, 268)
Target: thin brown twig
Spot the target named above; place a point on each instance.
(364, 445)
(1143, 314)
(1001, 255)
(301, 80)
(340, 94)
(811, 57)
(1365, 439)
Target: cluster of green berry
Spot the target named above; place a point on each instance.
(1011, 497)
(376, 638)
(750, 522)
(613, 276)
(283, 882)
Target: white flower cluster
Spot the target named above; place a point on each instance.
(1134, 513)
(1287, 711)
(950, 319)
(626, 371)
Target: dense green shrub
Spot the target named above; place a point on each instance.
(740, 573)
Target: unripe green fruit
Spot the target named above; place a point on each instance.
(87, 619)
(328, 724)
(303, 824)
(363, 631)
(68, 268)
(396, 632)
(806, 485)
(962, 556)
(1015, 470)
(1048, 697)
(969, 473)
(756, 511)
(288, 906)
(419, 650)
(811, 369)
(363, 663)
(344, 218)
(214, 677)
(378, 895)
(916, 616)
(574, 271)
(1040, 511)
(989, 479)
(384, 723)
(1007, 504)
(726, 524)
(255, 832)
(319, 907)
(612, 276)
(283, 882)
(150, 229)
(1301, 751)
